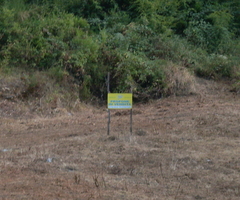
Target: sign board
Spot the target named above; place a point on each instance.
(119, 100)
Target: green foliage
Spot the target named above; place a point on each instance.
(216, 66)
(2, 3)
(17, 5)
(134, 40)
(57, 73)
(207, 36)
(50, 41)
(220, 18)
(143, 76)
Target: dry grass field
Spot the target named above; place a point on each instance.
(181, 148)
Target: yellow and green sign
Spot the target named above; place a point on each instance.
(119, 100)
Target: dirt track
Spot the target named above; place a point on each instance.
(181, 148)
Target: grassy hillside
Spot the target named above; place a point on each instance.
(152, 47)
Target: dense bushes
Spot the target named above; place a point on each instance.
(140, 42)
(40, 40)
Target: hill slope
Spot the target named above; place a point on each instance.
(181, 148)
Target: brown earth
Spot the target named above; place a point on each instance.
(181, 148)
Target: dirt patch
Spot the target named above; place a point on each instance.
(181, 148)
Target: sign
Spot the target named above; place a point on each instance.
(119, 100)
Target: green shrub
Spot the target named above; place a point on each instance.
(143, 76)
(216, 66)
(43, 41)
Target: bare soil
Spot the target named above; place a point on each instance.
(181, 148)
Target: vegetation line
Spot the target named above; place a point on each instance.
(151, 46)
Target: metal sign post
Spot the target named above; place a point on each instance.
(109, 114)
(131, 121)
(131, 112)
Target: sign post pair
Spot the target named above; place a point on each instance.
(118, 101)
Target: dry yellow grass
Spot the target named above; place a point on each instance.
(181, 148)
